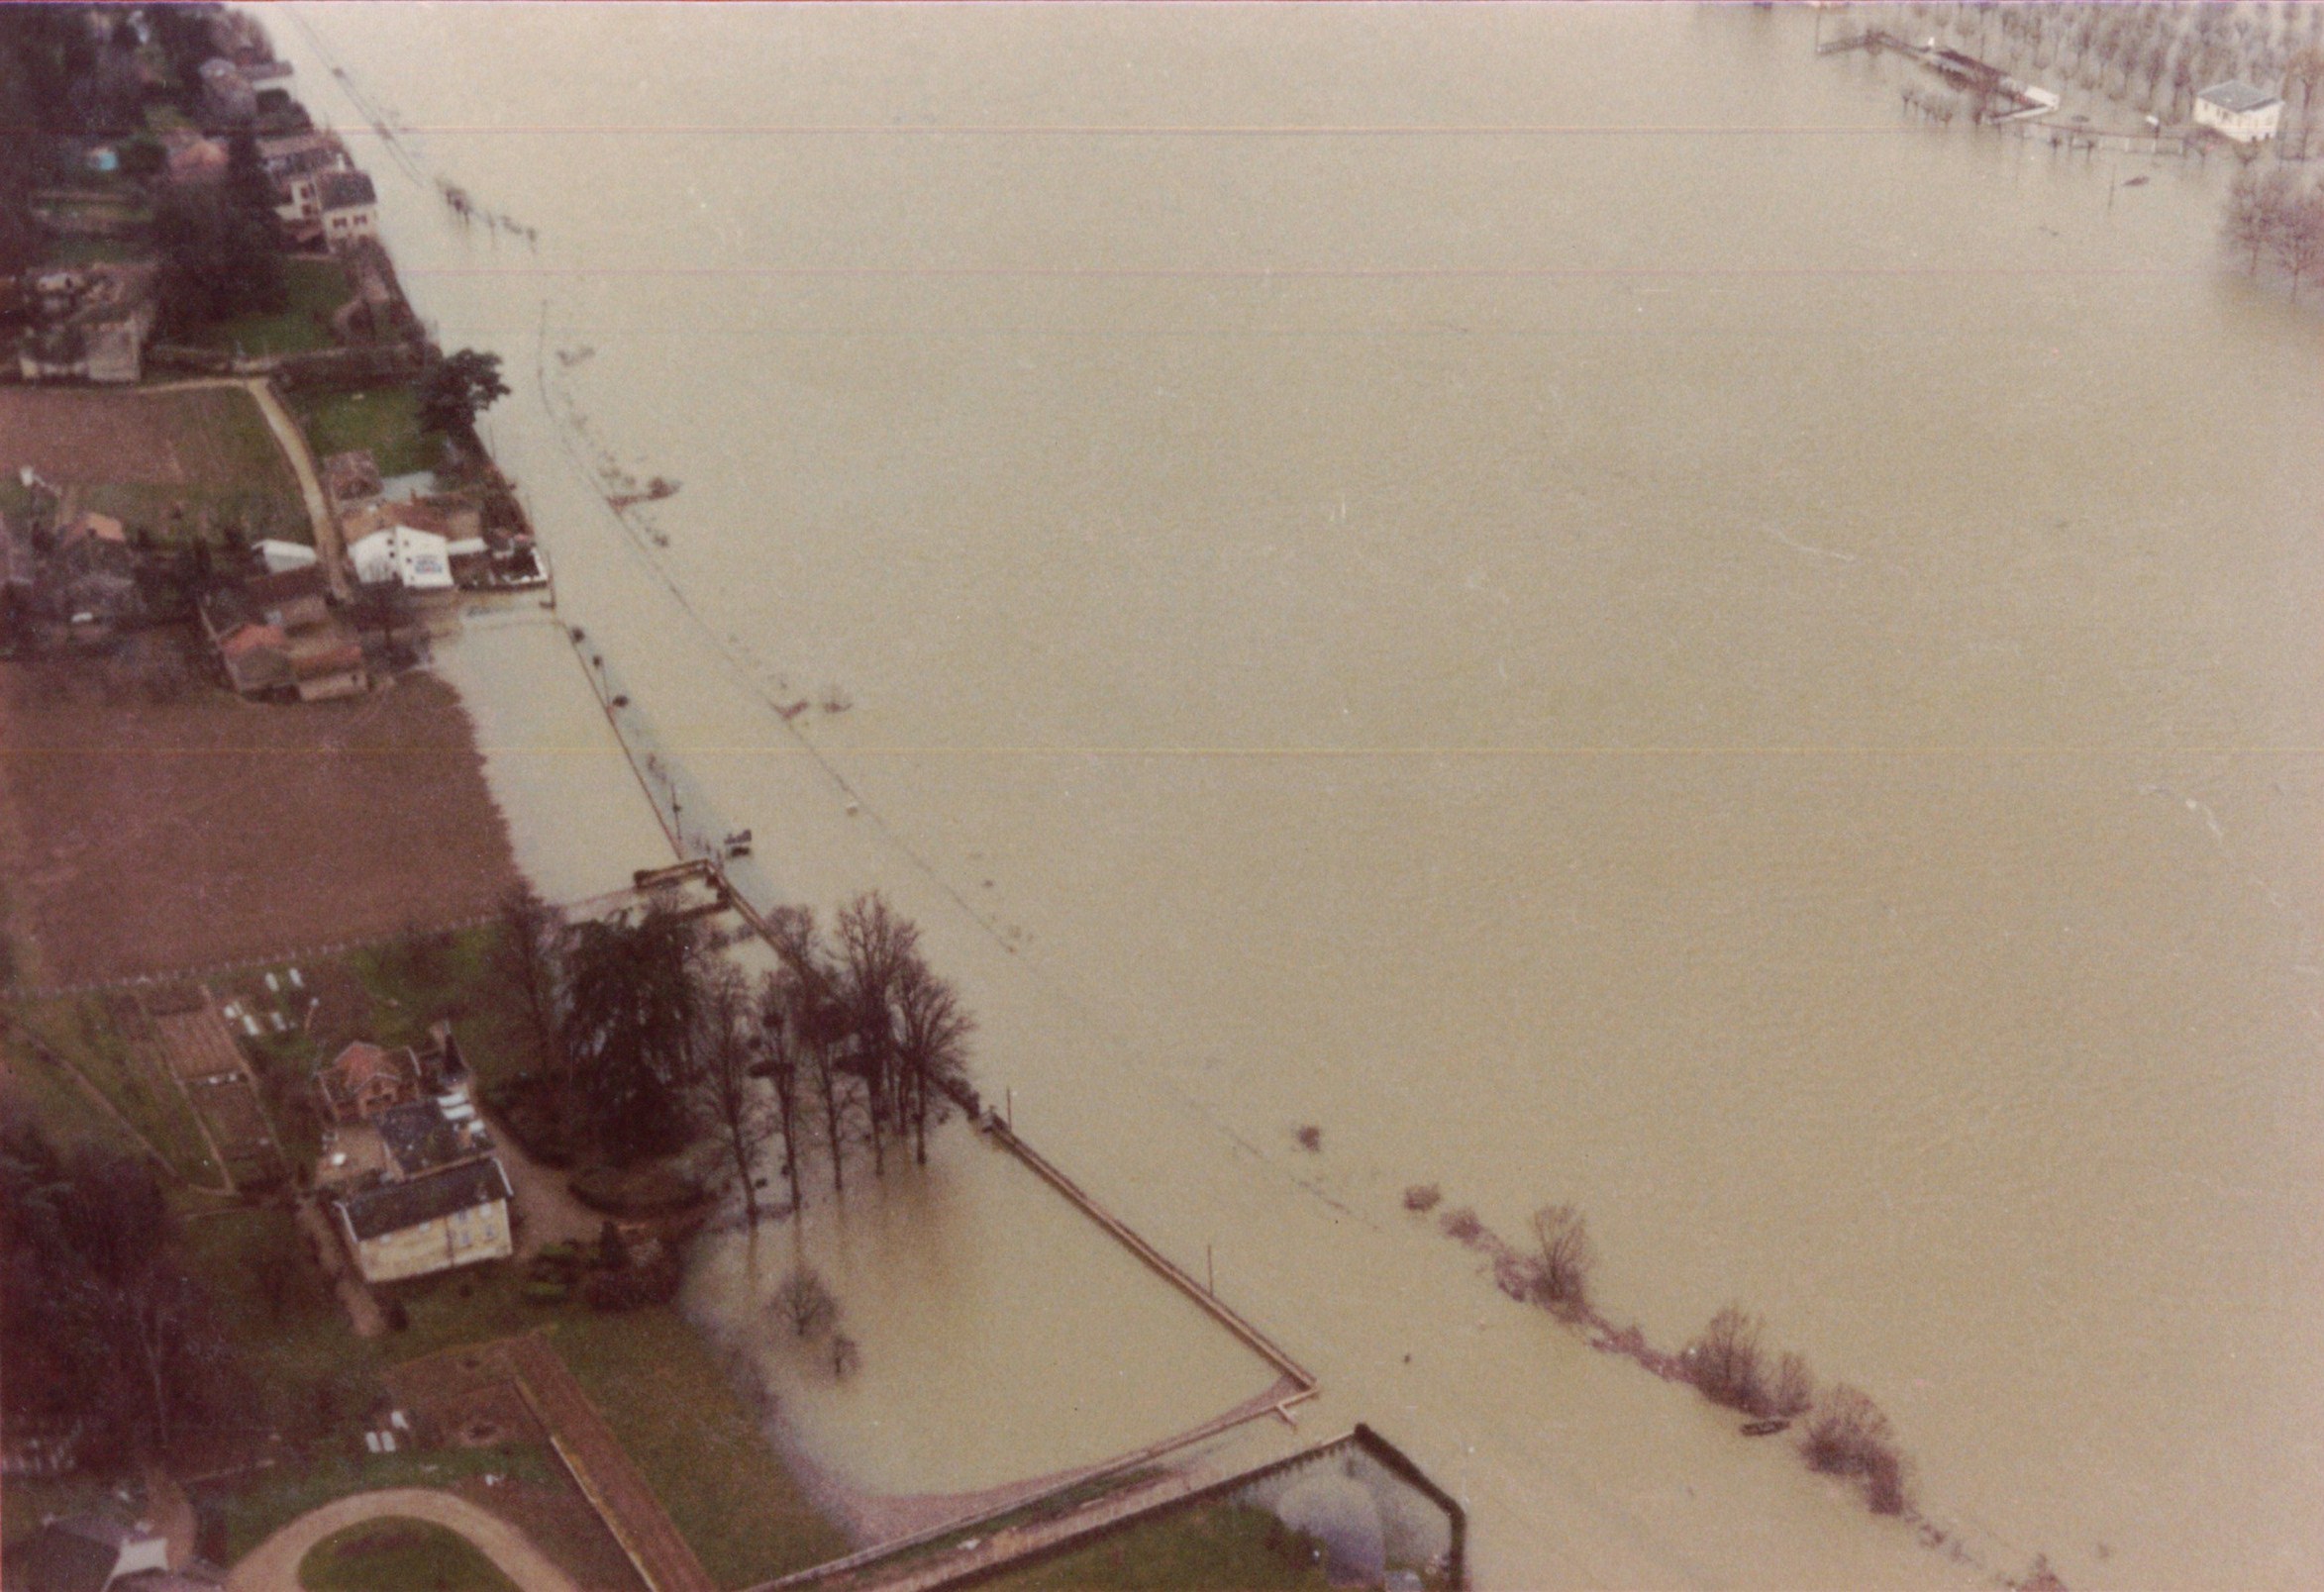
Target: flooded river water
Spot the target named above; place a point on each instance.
(1555, 593)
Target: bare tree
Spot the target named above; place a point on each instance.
(1793, 1389)
(805, 1304)
(783, 1063)
(1567, 1259)
(2296, 234)
(875, 944)
(2247, 220)
(817, 1019)
(1724, 1362)
(725, 1079)
(932, 1043)
(1848, 1435)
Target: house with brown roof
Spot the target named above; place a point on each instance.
(294, 598)
(365, 1079)
(257, 658)
(192, 160)
(275, 635)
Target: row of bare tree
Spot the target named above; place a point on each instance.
(1846, 1433)
(650, 1036)
(2277, 217)
(2130, 51)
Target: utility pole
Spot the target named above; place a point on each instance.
(1210, 1272)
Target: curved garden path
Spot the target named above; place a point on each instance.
(273, 1565)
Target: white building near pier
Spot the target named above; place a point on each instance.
(2236, 110)
(417, 560)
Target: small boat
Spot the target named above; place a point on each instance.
(1764, 1428)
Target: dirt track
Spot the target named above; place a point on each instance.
(162, 838)
(273, 1565)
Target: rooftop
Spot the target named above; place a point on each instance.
(345, 190)
(2238, 97)
(392, 1207)
(420, 1137)
(290, 586)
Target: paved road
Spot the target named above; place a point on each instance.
(273, 1565)
(302, 461)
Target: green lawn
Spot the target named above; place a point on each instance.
(400, 1556)
(263, 1505)
(385, 420)
(315, 1376)
(78, 1032)
(317, 289)
(1204, 1549)
(659, 1386)
(233, 471)
(88, 251)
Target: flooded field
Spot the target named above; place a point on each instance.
(1558, 593)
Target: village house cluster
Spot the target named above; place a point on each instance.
(408, 1168)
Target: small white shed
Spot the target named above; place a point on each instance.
(282, 558)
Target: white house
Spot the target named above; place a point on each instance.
(350, 207)
(2237, 110)
(429, 1194)
(420, 560)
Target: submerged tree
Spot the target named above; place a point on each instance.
(1724, 1362)
(816, 1018)
(634, 998)
(932, 1046)
(1566, 1257)
(726, 1083)
(783, 1063)
(804, 1304)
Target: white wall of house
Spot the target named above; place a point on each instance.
(2244, 127)
(477, 1234)
(416, 559)
(342, 226)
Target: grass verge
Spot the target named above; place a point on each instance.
(1214, 1546)
(317, 289)
(700, 1447)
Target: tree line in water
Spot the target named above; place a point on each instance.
(653, 1040)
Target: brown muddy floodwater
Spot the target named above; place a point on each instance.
(1557, 592)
